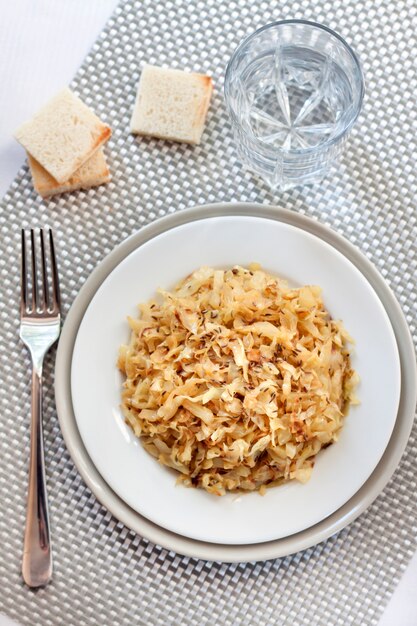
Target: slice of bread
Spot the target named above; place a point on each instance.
(171, 104)
(63, 135)
(93, 173)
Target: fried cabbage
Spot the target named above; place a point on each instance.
(236, 380)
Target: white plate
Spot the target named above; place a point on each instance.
(249, 552)
(150, 488)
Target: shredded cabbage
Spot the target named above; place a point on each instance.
(236, 380)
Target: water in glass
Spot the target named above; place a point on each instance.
(294, 99)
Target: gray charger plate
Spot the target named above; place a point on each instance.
(271, 549)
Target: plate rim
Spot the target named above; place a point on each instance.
(258, 551)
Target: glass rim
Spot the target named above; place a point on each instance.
(340, 134)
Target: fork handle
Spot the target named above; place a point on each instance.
(37, 553)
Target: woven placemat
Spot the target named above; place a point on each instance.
(104, 573)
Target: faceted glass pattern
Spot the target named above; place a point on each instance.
(293, 91)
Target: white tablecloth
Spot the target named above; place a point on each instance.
(42, 44)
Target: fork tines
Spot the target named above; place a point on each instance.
(38, 294)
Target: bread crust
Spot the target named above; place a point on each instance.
(91, 174)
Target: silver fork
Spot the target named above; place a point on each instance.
(40, 321)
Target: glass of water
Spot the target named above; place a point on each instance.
(293, 90)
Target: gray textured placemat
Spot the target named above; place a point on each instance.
(104, 573)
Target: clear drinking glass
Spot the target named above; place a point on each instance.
(293, 90)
